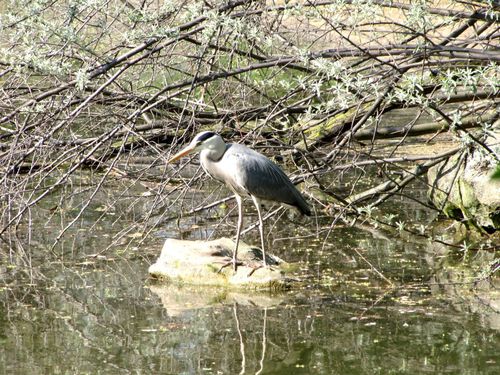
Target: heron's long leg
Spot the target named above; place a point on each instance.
(238, 230)
(261, 229)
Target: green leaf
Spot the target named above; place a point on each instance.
(496, 174)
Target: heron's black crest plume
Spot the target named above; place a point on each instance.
(204, 136)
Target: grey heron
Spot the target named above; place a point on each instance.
(246, 173)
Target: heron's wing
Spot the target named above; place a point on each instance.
(245, 169)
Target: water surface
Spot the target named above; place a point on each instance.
(92, 309)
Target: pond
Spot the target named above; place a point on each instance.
(371, 300)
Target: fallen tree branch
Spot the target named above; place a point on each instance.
(386, 189)
(388, 132)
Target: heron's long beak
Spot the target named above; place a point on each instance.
(181, 153)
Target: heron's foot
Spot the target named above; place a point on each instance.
(255, 268)
(233, 263)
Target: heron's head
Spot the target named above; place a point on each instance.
(203, 141)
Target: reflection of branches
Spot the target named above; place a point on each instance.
(32, 296)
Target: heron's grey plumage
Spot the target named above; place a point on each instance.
(245, 172)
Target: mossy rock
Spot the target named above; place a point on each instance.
(463, 189)
(200, 262)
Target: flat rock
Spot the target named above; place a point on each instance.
(199, 262)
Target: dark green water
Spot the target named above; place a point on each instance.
(101, 315)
